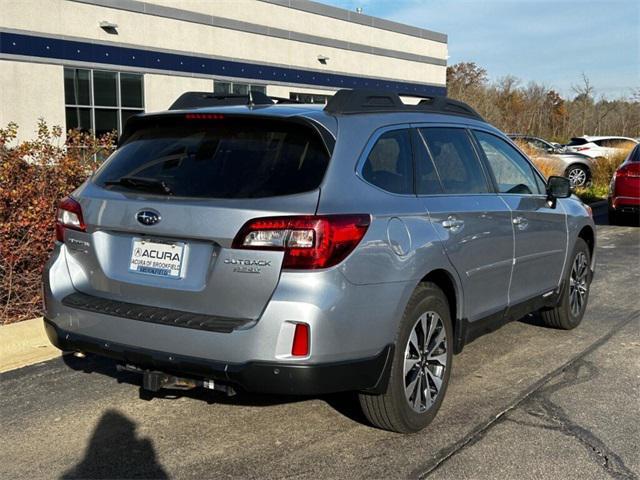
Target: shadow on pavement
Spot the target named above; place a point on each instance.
(115, 451)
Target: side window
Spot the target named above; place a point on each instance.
(456, 162)
(511, 170)
(389, 165)
(427, 179)
(535, 143)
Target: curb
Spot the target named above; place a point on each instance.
(24, 343)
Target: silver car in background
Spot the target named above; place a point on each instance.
(577, 167)
(295, 249)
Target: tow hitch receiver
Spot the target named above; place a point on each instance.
(153, 381)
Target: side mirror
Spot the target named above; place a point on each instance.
(557, 187)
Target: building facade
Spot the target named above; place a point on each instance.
(91, 64)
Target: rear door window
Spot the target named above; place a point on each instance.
(228, 157)
(455, 159)
(427, 179)
(512, 171)
(389, 165)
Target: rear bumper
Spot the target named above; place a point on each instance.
(367, 374)
(625, 204)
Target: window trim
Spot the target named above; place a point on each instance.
(485, 160)
(373, 139)
(118, 107)
(488, 180)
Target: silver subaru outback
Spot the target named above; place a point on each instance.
(295, 249)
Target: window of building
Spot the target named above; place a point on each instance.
(235, 88)
(309, 97)
(101, 101)
(389, 165)
(456, 162)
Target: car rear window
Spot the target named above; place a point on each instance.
(221, 158)
(577, 141)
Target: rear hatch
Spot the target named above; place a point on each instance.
(161, 214)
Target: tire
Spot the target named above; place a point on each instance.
(578, 175)
(393, 410)
(614, 217)
(568, 314)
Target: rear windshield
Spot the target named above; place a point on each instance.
(577, 141)
(222, 158)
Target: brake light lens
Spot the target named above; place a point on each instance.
(300, 346)
(309, 241)
(580, 149)
(204, 116)
(629, 170)
(68, 215)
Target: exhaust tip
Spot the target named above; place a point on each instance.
(79, 354)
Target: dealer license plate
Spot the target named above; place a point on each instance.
(155, 258)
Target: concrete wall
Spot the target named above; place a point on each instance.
(28, 92)
(295, 20)
(160, 91)
(32, 85)
(59, 17)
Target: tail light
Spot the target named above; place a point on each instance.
(68, 215)
(309, 242)
(581, 149)
(300, 346)
(629, 170)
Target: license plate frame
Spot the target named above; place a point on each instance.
(157, 258)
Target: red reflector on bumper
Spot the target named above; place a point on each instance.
(300, 347)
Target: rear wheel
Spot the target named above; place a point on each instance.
(578, 175)
(573, 302)
(421, 366)
(614, 217)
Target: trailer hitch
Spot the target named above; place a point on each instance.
(153, 381)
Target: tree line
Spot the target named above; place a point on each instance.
(535, 109)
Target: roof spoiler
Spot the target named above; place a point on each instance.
(346, 102)
(189, 100)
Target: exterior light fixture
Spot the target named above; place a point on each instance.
(323, 59)
(109, 27)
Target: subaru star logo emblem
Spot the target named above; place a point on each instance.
(148, 217)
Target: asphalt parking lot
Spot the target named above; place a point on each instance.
(524, 402)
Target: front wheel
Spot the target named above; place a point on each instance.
(573, 301)
(421, 366)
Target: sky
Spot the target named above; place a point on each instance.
(552, 42)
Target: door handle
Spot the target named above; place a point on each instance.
(452, 223)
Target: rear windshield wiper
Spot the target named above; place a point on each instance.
(141, 183)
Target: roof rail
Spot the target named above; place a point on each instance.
(346, 102)
(190, 100)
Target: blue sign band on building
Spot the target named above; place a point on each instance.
(97, 53)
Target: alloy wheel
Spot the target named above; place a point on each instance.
(425, 362)
(578, 284)
(577, 177)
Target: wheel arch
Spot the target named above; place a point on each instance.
(588, 235)
(446, 281)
